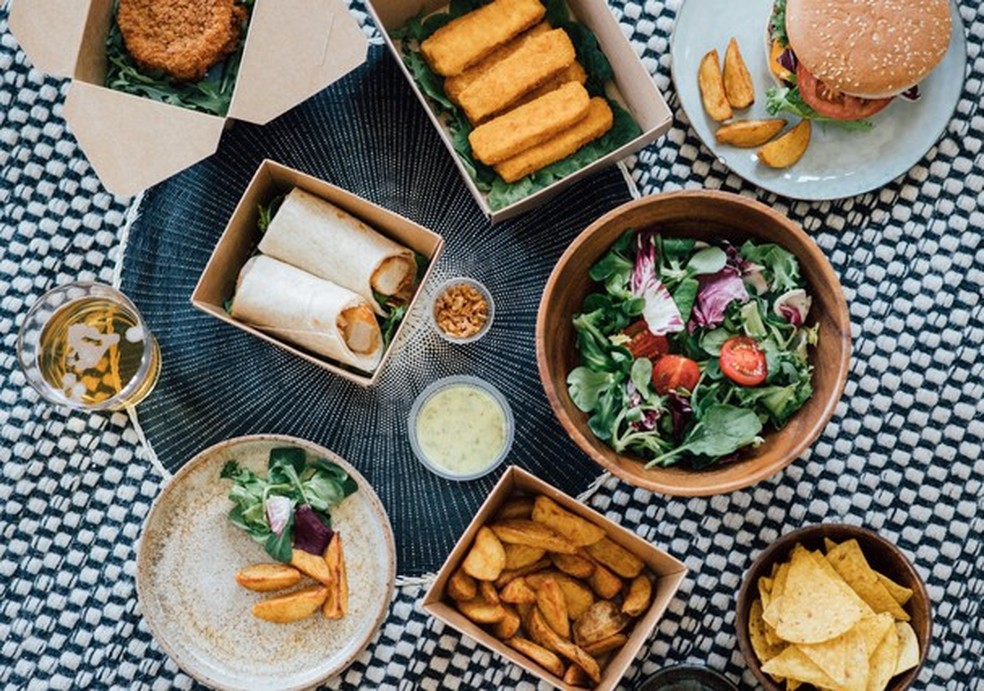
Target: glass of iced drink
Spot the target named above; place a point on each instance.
(85, 346)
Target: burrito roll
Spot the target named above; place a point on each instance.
(308, 311)
(315, 235)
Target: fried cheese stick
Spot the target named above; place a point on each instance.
(537, 60)
(596, 123)
(573, 73)
(454, 85)
(464, 41)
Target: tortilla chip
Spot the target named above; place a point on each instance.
(825, 566)
(856, 660)
(884, 661)
(792, 684)
(765, 591)
(831, 657)
(829, 544)
(793, 664)
(815, 606)
(764, 650)
(873, 628)
(899, 592)
(848, 560)
(908, 648)
(771, 612)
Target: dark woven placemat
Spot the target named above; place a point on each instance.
(368, 135)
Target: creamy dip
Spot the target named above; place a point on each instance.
(461, 429)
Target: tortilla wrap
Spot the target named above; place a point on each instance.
(308, 311)
(315, 235)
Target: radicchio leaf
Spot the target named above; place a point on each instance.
(310, 532)
(278, 510)
(912, 94)
(793, 306)
(660, 312)
(788, 60)
(751, 273)
(715, 294)
(681, 411)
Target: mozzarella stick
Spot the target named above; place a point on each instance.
(464, 41)
(537, 60)
(595, 124)
(455, 84)
(529, 125)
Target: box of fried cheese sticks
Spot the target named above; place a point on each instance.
(318, 271)
(528, 95)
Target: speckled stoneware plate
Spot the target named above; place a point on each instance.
(188, 557)
(838, 163)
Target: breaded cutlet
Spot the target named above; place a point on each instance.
(183, 38)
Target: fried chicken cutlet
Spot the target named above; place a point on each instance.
(182, 38)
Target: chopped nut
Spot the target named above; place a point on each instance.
(461, 311)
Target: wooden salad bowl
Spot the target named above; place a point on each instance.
(881, 554)
(709, 216)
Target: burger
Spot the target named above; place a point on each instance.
(842, 61)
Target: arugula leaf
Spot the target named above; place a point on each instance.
(722, 430)
(777, 23)
(709, 260)
(781, 268)
(685, 295)
(268, 211)
(287, 456)
(586, 387)
(641, 375)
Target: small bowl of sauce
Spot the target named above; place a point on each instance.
(461, 427)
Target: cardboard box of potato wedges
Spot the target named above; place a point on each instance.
(554, 586)
(155, 83)
(528, 95)
(320, 272)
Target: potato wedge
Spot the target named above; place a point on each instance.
(547, 637)
(520, 507)
(336, 604)
(509, 625)
(787, 149)
(605, 584)
(461, 586)
(637, 599)
(292, 606)
(602, 620)
(577, 530)
(487, 558)
(738, 87)
(481, 612)
(538, 654)
(606, 644)
(507, 576)
(573, 564)
(518, 592)
(577, 595)
(575, 676)
(522, 532)
(616, 558)
(710, 81)
(553, 606)
(263, 578)
(311, 565)
(746, 134)
(518, 556)
(488, 592)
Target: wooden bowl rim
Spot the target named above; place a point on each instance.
(783, 545)
(841, 318)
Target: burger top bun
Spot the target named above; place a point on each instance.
(869, 48)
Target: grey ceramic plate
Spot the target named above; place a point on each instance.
(837, 164)
(187, 561)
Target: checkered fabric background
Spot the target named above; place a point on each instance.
(902, 454)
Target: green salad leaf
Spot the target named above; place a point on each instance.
(722, 430)
(784, 99)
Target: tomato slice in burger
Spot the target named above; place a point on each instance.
(672, 372)
(743, 362)
(835, 104)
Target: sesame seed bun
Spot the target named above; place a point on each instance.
(869, 48)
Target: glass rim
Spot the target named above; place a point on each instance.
(43, 387)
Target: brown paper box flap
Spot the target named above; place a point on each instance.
(292, 53)
(132, 142)
(50, 32)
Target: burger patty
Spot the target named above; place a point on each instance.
(182, 38)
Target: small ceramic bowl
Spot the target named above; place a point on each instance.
(882, 556)
(450, 283)
(687, 678)
(453, 421)
(709, 216)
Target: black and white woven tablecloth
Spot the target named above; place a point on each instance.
(902, 455)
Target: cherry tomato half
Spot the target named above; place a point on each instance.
(672, 372)
(644, 342)
(743, 362)
(833, 103)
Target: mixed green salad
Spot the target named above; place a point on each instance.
(599, 70)
(688, 350)
(291, 506)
